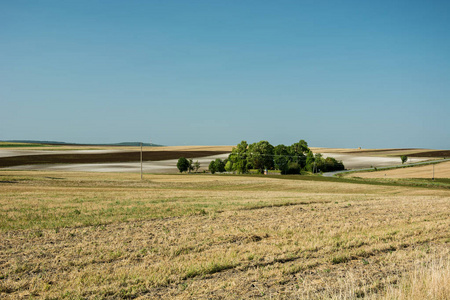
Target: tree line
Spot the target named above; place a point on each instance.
(294, 159)
(187, 165)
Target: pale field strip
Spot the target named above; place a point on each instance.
(66, 149)
(352, 161)
(178, 236)
(160, 166)
(369, 152)
(368, 158)
(441, 170)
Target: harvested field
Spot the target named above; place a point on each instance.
(106, 235)
(396, 152)
(373, 152)
(363, 151)
(369, 158)
(152, 166)
(441, 170)
(96, 158)
(387, 152)
(353, 161)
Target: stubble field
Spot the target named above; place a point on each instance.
(440, 170)
(110, 235)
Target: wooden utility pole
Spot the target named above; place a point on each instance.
(141, 161)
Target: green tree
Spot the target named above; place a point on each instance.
(404, 158)
(212, 167)
(300, 148)
(297, 152)
(191, 165)
(293, 168)
(238, 157)
(260, 155)
(319, 163)
(220, 165)
(331, 164)
(196, 166)
(229, 166)
(281, 158)
(183, 164)
(309, 161)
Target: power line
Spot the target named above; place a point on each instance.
(272, 155)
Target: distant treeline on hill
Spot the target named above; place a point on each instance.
(292, 159)
(77, 144)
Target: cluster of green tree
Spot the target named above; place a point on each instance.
(187, 165)
(288, 159)
(217, 165)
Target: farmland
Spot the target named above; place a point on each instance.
(104, 155)
(441, 170)
(109, 235)
(163, 159)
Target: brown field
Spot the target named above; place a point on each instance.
(433, 153)
(441, 170)
(110, 236)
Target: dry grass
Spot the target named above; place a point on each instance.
(83, 235)
(428, 280)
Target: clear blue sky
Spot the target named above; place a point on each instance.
(335, 73)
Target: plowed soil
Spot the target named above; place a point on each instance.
(435, 153)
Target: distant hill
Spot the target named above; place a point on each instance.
(76, 144)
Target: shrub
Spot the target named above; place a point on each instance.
(229, 166)
(404, 158)
(212, 167)
(183, 164)
(220, 165)
(293, 168)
